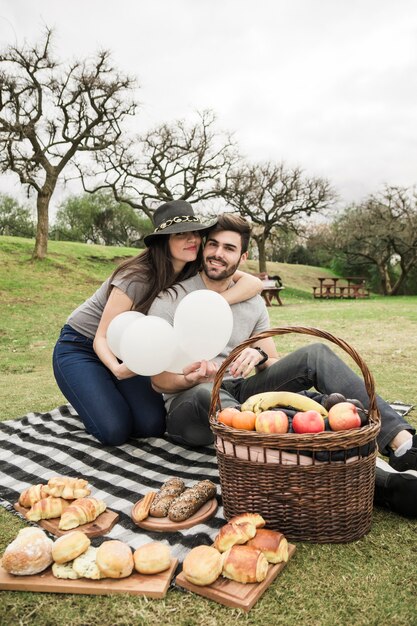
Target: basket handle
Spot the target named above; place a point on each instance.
(300, 330)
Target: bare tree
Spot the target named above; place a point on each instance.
(276, 198)
(173, 161)
(382, 233)
(50, 112)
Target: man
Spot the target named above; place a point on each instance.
(188, 395)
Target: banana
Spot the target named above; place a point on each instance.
(270, 399)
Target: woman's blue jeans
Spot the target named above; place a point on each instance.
(112, 410)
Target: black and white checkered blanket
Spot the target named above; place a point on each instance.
(39, 446)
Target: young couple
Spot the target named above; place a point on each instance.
(115, 404)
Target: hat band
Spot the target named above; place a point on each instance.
(179, 219)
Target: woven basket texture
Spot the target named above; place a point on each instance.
(328, 501)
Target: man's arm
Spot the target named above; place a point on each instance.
(193, 374)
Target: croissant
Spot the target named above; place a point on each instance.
(33, 494)
(47, 508)
(80, 512)
(68, 488)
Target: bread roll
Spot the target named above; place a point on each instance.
(244, 564)
(190, 500)
(65, 571)
(30, 553)
(272, 544)
(202, 565)
(68, 547)
(152, 558)
(86, 566)
(115, 559)
(232, 534)
(170, 490)
(253, 518)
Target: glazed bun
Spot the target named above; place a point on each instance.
(152, 558)
(115, 559)
(202, 565)
(30, 553)
(68, 547)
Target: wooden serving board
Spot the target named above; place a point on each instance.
(164, 524)
(233, 594)
(153, 586)
(102, 525)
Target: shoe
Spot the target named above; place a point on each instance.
(407, 461)
(396, 491)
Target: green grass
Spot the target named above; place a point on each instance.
(371, 581)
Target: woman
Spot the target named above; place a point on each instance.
(113, 402)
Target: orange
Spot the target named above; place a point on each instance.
(226, 415)
(244, 420)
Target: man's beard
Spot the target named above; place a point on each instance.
(228, 271)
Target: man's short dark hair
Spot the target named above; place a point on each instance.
(236, 223)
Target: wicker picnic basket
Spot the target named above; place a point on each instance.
(312, 487)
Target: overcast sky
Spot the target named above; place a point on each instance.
(328, 85)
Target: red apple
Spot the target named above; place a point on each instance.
(308, 422)
(344, 416)
(272, 422)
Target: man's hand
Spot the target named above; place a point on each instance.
(247, 360)
(200, 372)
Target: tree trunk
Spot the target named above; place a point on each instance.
(42, 207)
(260, 241)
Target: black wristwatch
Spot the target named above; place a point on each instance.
(263, 354)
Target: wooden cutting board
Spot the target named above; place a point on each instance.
(102, 525)
(154, 586)
(233, 594)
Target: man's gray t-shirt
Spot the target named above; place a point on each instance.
(86, 318)
(249, 317)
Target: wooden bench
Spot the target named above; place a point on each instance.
(272, 288)
(328, 288)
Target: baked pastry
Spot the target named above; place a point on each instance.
(244, 564)
(33, 494)
(190, 500)
(64, 570)
(253, 518)
(29, 553)
(202, 565)
(81, 512)
(272, 543)
(141, 509)
(152, 558)
(170, 490)
(68, 488)
(231, 534)
(86, 566)
(68, 547)
(115, 559)
(47, 508)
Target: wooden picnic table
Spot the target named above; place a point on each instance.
(355, 287)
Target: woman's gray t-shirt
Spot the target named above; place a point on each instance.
(86, 318)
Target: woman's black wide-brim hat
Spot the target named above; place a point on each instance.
(176, 216)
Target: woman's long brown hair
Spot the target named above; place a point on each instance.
(154, 268)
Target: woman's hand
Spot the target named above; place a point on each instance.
(121, 372)
(243, 364)
(200, 372)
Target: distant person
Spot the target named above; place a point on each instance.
(113, 402)
(188, 395)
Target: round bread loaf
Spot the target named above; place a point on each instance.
(30, 553)
(152, 558)
(115, 559)
(202, 565)
(68, 547)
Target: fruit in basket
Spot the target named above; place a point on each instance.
(286, 399)
(332, 399)
(308, 422)
(244, 420)
(344, 416)
(225, 416)
(271, 422)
